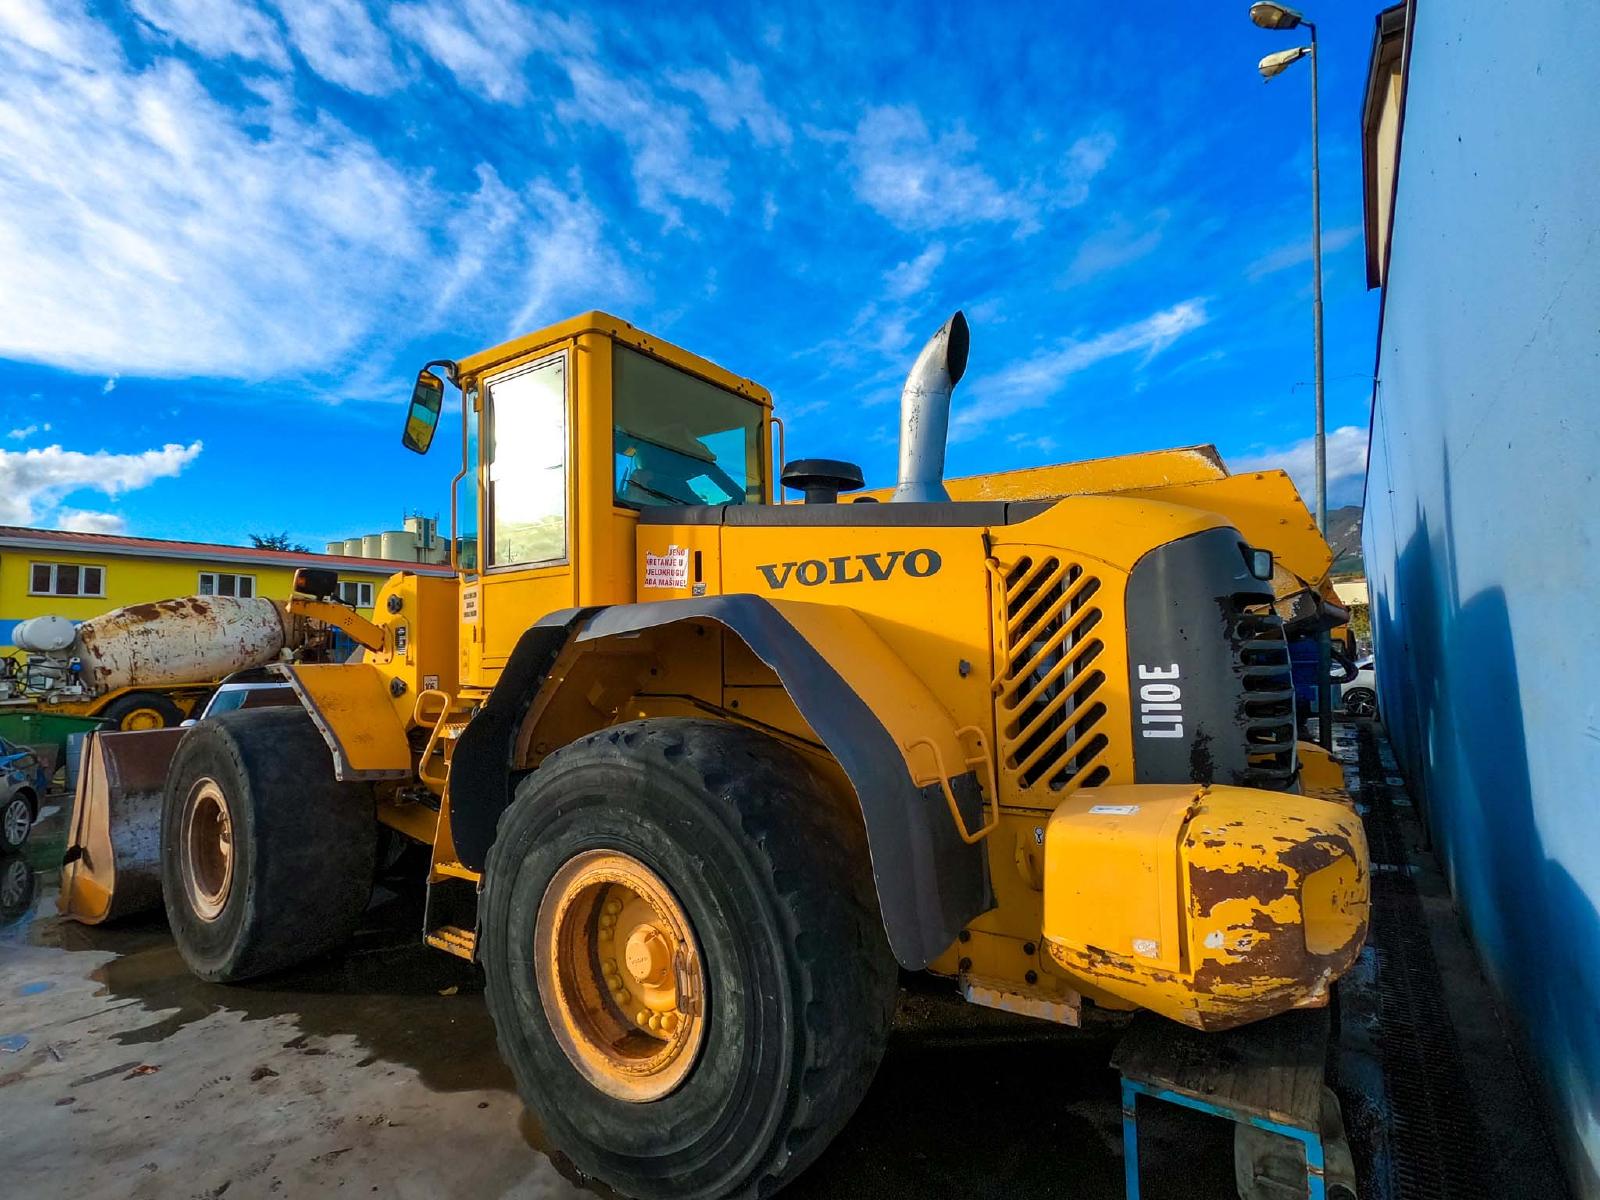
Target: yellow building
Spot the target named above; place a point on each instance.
(81, 575)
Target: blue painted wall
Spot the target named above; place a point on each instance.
(1483, 508)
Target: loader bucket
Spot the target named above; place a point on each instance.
(112, 865)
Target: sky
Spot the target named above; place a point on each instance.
(231, 233)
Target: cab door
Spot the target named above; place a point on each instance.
(529, 450)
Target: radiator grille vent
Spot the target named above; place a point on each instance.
(1046, 689)
(1262, 656)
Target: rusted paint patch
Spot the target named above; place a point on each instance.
(1209, 887)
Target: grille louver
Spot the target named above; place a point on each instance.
(1262, 655)
(1045, 691)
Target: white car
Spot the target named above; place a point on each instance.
(252, 693)
(1360, 695)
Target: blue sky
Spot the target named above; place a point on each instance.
(229, 234)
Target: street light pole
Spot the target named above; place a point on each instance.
(1269, 14)
(1324, 640)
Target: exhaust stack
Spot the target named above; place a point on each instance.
(925, 413)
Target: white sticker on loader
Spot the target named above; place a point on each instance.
(1113, 810)
(669, 570)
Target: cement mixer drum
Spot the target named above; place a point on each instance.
(174, 642)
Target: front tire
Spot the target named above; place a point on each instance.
(266, 859)
(728, 858)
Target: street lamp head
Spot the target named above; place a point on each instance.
(1274, 16)
(1275, 64)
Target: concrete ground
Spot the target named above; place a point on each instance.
(375, 1072)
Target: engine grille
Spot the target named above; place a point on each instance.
(1046, 687)
(1262, 657)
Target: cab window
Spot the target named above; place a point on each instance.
(679, 439)
(526, 456)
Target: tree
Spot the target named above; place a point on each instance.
(277, 541)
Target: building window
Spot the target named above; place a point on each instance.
(66, 579)
(222, 583)
(357, 595)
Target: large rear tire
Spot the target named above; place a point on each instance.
(711, 856)
(266, 859)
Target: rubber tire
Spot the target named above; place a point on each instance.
(117, 711)
(304, 845)
(775, 877)
(32, 802)
(1365, 698)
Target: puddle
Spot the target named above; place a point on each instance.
(382, 989)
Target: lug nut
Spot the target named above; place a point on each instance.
(612, 908)
(669, 1021)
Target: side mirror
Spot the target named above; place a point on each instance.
(422, 418)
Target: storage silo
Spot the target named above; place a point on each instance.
(399, 544)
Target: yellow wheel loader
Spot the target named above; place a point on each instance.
(701, 771)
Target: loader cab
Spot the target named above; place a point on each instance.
(567, 435)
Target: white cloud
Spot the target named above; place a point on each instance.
(33, 482)
(77, 520)
(25, 431)
(569, 258)
(484, 43)
(340, 42)
(923, 182)
(218, 28)
(1117, 244)
(659, 136)
(178, 236)
(913, 276)
(182, 237)
(1347, 465)
(109, 386)
(736, 99)
(1292, 254)
(1035, 381)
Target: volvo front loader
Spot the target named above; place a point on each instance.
(701, 772)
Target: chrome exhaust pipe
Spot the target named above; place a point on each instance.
(925, 413)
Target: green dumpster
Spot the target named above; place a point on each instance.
(44, 733)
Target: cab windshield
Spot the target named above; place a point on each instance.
(679, 439)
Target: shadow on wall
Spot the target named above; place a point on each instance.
(1536, 928)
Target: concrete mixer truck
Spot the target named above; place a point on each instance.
(147, 666)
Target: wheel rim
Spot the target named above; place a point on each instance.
(1360, 705)
(620, 975)
(207, 849)
(17, 820)
(140, 719)
(15, 878)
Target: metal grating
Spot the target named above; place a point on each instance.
(1434, 1135)
(1046, 688)
(1262, 655)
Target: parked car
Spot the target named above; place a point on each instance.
(1361, 693)
(22, 782)
(246, 690)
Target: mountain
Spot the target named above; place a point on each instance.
(1344, 535)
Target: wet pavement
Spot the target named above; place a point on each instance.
(375, 1071)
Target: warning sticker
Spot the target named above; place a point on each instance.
(1115, 810)
(669, 570)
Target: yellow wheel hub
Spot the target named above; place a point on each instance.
(207, 849)
(619, 975)
(140, 719)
